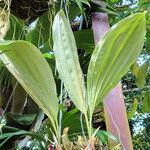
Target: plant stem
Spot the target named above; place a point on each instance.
(91, 128)
(55, 126)
(87, 124)
(60, 114)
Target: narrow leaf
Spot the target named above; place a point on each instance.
(6, 135)
(67, 61)
(16, 30)
(103, 135)
(41, 34)
(79, 3)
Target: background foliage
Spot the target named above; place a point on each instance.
(32, 21)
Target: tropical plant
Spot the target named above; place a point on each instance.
(109, 62)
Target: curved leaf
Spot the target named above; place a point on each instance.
(29, 67)
(67, 61)
(113, 56)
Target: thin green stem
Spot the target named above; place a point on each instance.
(88, 119)
(90, 125)
(82, 127)
(87, 123)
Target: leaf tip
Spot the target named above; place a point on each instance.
(61, 13)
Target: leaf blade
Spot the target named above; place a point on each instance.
(67, 60)
(29, 67)
(113, 56)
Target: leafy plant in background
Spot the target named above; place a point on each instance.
(109, 62)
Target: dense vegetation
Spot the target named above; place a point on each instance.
(53, 79)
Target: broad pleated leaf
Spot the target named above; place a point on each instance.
(113, 56)
(30, 68)
(67, 61)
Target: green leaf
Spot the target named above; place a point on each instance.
(1, 98)
(103, 7)
(67, 61)
(76, 11)
(146, 103)
(28, 66)
(40, 35)
(114, 1)
(71, 119)
(134, 68)
(103, 135)
(20, 132)
(85, 2)
(79, 3)
(142, 74)
(19, 99)
(148, 40)
(6, 135)
(144, 4)
(113, 56)
(84, 39)
(131, 113)
(117, 147)
(16, 30)
(25, 119)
